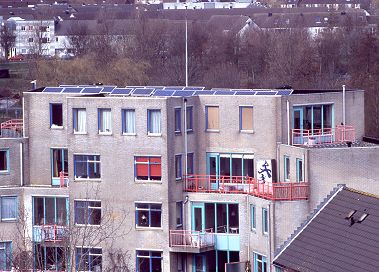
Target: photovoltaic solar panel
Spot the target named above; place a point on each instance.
(163, 93)
(204, 92)
(265, 93)
(121, 91)
(175, 88)
(143, 92)
(91, 90)
(245, 93)
(183, 93)
(224, 92)
(284, 92)
(72, 90)
(242, 90)
(193, 88)
(52, 90)
(68, 86)
(107, 89)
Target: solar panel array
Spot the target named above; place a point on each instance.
(168, 91)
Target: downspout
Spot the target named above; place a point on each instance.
(248, 216)
(23, 117)
(269, 237)
(185, 143)
(343, 105)
(21, 166)
(288, 123)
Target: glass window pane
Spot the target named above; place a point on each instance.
(129, 121)
(212, 117)
(8, 208)
(222, 218)
(178, 119)
(246, 118)
(38, 211)
(154, 125)
(50, 210)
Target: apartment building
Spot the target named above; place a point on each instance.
(171, 178)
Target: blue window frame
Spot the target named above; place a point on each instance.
(128, 117)
(253, 217)
(5, 256)
(149, 215)
(87, 166)
(189, 118)
(260, 263)
(147, 168)
(149, 261)
(265, 221)
(56, 115)
(154, 122)
(286, 168)
(87, 212)
(59, 164)
(299, 170)
(104, 121)
(179, 214)
(88, 259)
(178, 167)
(178, 120)
(79, 116)
(212, 121)
(50, 211)
(4, 160)
(246, 118)
(9, 208)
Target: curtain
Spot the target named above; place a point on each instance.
(155, 121)
(8, 208)
(105, 120)
(130, 121)
(81, 120)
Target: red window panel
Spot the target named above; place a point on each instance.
(155, 168)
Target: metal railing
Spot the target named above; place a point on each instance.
(12, 128)
(192, 239)
(309, 137)
(49, 233)
(247, 185)
(63, 179)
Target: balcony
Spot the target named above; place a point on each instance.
(309, 137)
(247, 185)
(11, 128)
(49, 233)
(61, 181)
(191, 241)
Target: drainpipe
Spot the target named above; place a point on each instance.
(23, 117)
(185, 142)
(288, 123)
(21, 166)
(343, 105)
(248, 216)
(270, 235)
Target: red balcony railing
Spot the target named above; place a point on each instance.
(192, 239)
(247, 185)
(11, 128)
(339, 134)
(49, 233)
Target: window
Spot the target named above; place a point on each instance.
(23, 51)
(5, 256)
(30, 40)
(30, 27)
(105, 121)
(212, 118)
(222, 217)
(179, 214)
(56, 115)
(88, 259)
(56, 39)
(4, 160)
(44, 40)
(147, 168)
(23, 28)
(178, 167)
(299, 170)
(148, 215)
(87, 166)
(286, 168)
(87, 212)
(80, 120)
(50, 211)
(246, 118)
(253, 218)
(277, 268)
(154, 121)
(178, 120)
(260, 263)
(50, 258)
(149, 261)
(59, 164)
(190, 163)
(189, 118)
(128, 121)
(43, 28)
(264, 221)
(9, 208)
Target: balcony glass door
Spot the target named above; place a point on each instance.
(198, 217)
(213, 169)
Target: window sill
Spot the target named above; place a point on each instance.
(129, 134)
(247, 131)
(10, 220)
(154, 134)
(87, 179)
(6, 172)
(142, 181)
(178, 133)
(86, 225)
(80, 132)
(213, 130)
(105, 133)
(148, 228)
(179, 179)
(56, 127)
(189, 131)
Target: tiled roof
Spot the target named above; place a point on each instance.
(333, 239)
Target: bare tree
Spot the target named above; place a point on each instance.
(7, 38)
